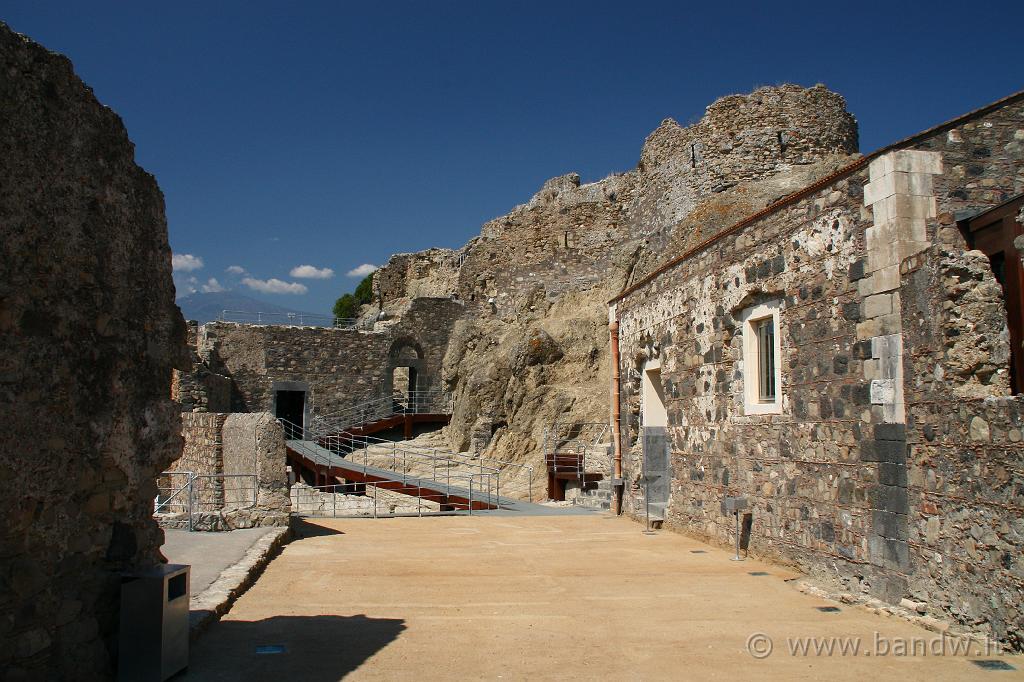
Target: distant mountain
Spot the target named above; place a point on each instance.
(208, 307)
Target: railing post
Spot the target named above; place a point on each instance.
(471, 494)
(334, 502)
(191, 498)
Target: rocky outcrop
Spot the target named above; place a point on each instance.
(90, 334)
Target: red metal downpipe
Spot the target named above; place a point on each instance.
(617, 485)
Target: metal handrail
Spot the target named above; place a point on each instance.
(286, 319)
(344, 444)
(190, 506)
(382, 407)
(423, 494)
(158, 506)
(572, 440)
(470, 458)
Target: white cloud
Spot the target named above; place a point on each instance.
(186, 262)
(311, 272)
(185, 286)
(212, 286)
(274, 286)
(235, 270)
(362, 271)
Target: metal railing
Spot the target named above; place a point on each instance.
(404, 458)
(200, 493)
(383, 407)
(337, 500)
(287, 319)
(471, 459)
(407, 464)
(567, 446)
(171, 497)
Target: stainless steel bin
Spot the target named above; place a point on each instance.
(153, 641)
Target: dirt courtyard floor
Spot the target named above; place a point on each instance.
(577, 597)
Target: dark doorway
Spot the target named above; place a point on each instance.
(403, 386)
(992, 233)
(290, 408)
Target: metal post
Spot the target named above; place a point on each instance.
(334, 502)
(191, 500)
(374, 501)
(531, 484)
(737, 557)
(647, 504)
(471, 494)
(419, 501)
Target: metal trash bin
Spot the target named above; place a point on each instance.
(153, 638)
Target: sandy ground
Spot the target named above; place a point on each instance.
(521, 598)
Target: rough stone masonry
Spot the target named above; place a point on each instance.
(90, 334)
(888, 456)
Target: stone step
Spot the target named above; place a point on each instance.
(591, 503)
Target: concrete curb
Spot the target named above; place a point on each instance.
(208, 606)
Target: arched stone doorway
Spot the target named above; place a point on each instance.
(403, 379)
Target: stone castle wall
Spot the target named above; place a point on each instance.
(433, 273)
(240, 463)
(572, 237)
(203, 454)
(338, 367)
(90, 334)
(201, 389)
(895, 461)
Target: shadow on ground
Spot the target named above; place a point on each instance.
(315, 648)
(304, 529)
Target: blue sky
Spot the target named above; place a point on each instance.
(335, 134)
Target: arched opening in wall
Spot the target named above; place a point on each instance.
(403, 382)
(405, 360)
(993, 233)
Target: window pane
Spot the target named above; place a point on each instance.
(766, 359)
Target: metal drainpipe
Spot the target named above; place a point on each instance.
(617, 485)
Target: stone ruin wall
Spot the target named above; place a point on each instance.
(202, 453)
(741, 138)
(200, 389)
(433, 273)
(90, 333)
(340, 367)
(224, 450)
(930, 510)
(570, 236)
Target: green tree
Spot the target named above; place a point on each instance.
(347, 306)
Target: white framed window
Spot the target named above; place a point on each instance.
(762, 360)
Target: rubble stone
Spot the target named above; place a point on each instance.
(90, 335)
